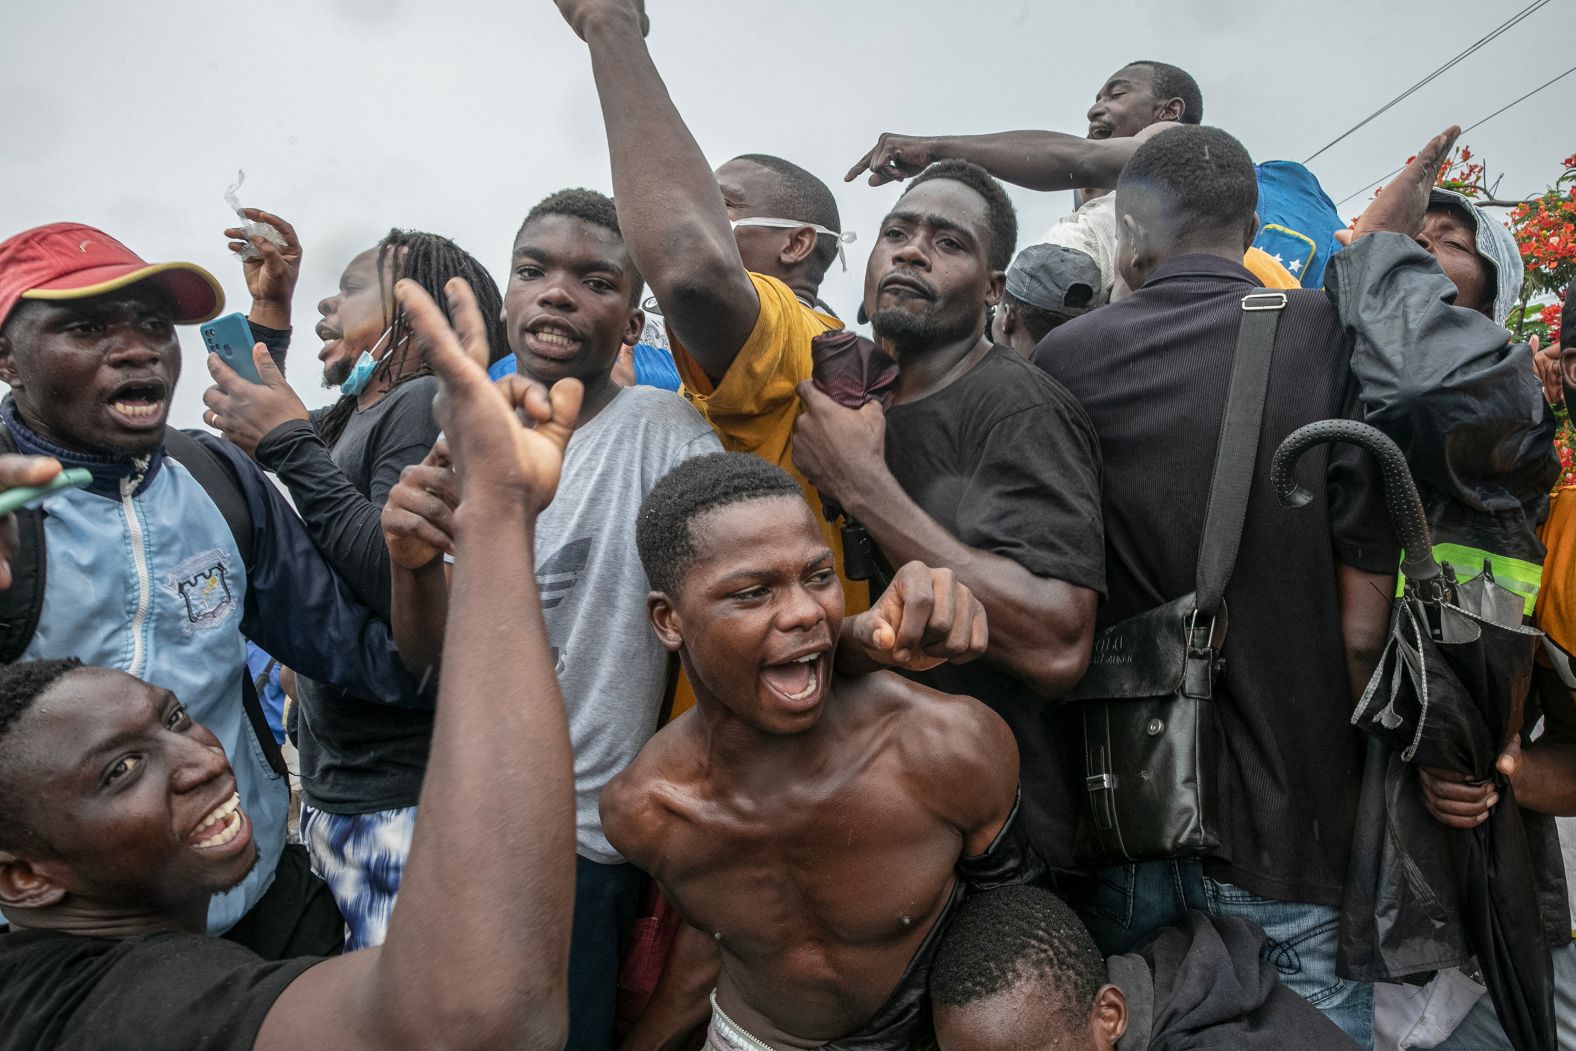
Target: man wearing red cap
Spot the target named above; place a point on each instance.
(146, 569)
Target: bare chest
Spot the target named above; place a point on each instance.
(850, 871)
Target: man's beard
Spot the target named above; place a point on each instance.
(337, 373)
(904, 331)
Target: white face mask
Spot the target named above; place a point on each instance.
(366, 364)
(847, 237)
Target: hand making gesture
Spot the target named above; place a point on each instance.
(925, 617)
(894, 158)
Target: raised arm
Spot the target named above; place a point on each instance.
(669, 207)
(271, 272)
(1038, 160)
(1418, 357)
(478, 946)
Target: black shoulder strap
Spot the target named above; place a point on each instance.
(220, 483)
(21, 603)
(1237, 451)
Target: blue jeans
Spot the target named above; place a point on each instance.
(1124, 905)
(606, 900)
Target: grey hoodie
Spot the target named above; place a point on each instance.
(1496, 246)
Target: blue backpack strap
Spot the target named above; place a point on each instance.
(23, 601)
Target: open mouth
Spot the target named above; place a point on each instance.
(221, 827)
(139, 404)
(331, 341)
(798, 682)
(1100, 131)
(552, 339)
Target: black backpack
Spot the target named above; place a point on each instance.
(23, 601)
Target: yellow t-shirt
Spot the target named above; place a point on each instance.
(754, 408)
(1270, 273)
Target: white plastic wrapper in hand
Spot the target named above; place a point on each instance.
(249, 228)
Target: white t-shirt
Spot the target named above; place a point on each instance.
(1092, 230)
(611, 667)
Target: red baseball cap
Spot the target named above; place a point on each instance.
(73, 261)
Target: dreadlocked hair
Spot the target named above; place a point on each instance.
(431, 261)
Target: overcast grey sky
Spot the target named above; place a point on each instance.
(351, 116)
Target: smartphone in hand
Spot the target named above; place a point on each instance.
(230, 337)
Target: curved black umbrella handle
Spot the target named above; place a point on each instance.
(1400, 492)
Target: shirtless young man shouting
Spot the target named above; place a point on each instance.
(818, 825)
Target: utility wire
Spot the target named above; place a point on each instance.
(1502, 28)
(1479, 124)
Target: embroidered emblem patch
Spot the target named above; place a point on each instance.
(207, 593)
(204, 586)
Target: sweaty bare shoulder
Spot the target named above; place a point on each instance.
(955, 745)
(638, 812)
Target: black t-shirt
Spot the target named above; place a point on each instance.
(170, 990)
(1152, 371)
(360, 756)
(1006, 461)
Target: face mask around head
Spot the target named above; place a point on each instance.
(847, 237)
(366, 364)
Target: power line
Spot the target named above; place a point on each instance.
(1503, 27)
(1479, 124)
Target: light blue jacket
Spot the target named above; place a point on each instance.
(143, 574)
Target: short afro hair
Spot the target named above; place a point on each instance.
(587, 206)
(1002, 938)
(1172, 82)
(797, 194)
(1002, 217)
(1197, 180)
(664, 529)
(21, 685)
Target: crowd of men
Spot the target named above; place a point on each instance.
(602, 737)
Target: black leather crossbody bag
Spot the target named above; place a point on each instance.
(1150, 736)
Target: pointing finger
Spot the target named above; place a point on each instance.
(861, 165)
